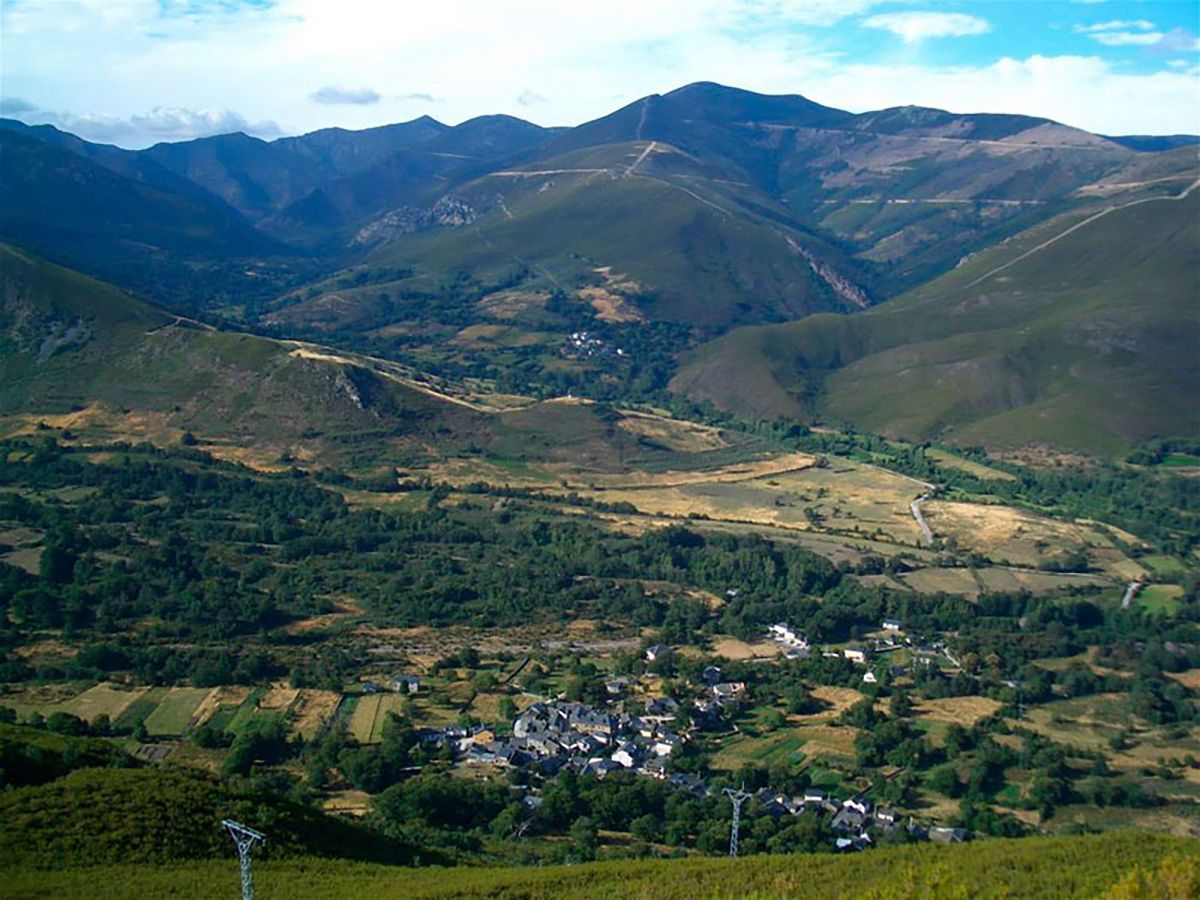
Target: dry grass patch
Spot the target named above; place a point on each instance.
(836, 699)
(347, 803)
(510, 304)
(29, 559)
(313, 708)
(684, 437)
(279, 697)
(228, 695)
(827, 740)
(1023, 539)
(949, 581)
(986, 473)
(362, 720)
(484, 335)
(344, 607)
(1189, 679)
(965, 711)
(46, 649)
(732, 648)
(103, 699)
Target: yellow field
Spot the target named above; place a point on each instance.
(370, 713)
(685, 437)
(1189, 679)
(1023, 539)
(949, 581)
(732, 648)
(278, 698)
(312, 709)
(837, 699)
(103, 699)
(965, 711)
(229, 695)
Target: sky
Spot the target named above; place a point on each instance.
(136, 72)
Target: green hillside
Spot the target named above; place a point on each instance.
(1117, 865)
(113, 367)
(1086, 344)
(702, 252)
(72, 344)
(102, 816)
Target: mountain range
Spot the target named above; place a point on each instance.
(861, 268)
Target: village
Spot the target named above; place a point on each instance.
(602, 738)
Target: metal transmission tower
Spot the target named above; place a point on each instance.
(737, 798)
(245, 838)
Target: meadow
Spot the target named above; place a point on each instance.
(1116, 866)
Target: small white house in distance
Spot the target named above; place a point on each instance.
(657, 652)
(788, 635)
(856, 653)
(869, 678)
(893, 626)
(406, 684)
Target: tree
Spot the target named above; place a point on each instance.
(585, 839)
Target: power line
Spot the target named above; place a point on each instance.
(737, 798)
(245, 838)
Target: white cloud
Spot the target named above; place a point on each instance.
(1083, 91)
(1128, 38)
(911, 27)
(1139, 33)
(159, 124)
(1179, 40)
(334, 96)
(123, 57)
(1117, 25)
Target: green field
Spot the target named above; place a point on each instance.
(370, 712)
(1118, 865)
(174, 711)
(1163, 566)
(1159, 598)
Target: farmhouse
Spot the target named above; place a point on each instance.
(731, 690)
(856, 653)
(406, 684)
(892, 625)
(657, 652)
(786, 634)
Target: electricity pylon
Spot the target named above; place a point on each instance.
(245, 838)
(737, 798)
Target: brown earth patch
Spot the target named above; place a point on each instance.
(313, 708)
(278, 697)
(227, 695)
(732, 648)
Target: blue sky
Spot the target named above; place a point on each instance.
(134, 72)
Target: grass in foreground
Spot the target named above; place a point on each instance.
(1115, 865)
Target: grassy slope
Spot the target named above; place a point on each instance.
(151, 816)
(1088, 344)
(695, 243)
(1035, 867)
(68, 342)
